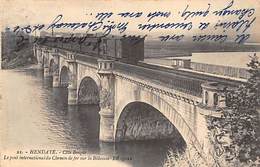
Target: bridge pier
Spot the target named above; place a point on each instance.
(72, 96)
(55, 81)
(38, 56)
(72, 89)
(106, 132)
(55, 69)
(105, 71)
(46, 71)
(40, 60)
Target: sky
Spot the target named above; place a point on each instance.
(21, 12)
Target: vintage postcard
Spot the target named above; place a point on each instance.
(130, 83)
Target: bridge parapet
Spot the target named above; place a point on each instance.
(54, 51)
(213, 99)
(63, 53)
(187, 85)
(173, 93)
(71, 57)
(105, 66)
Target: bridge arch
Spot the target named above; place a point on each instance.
(64, 76)
(141, 121)
(165, 108)
(88, 92)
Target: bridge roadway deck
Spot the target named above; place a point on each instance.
(184, 81)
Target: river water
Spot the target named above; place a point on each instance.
(34, 115)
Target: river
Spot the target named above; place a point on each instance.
(34, 115)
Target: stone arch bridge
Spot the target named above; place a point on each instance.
(124, 91)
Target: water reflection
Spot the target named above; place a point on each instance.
(35, 115)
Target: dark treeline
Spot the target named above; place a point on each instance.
(16, 52)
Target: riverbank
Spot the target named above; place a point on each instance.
(18, 58)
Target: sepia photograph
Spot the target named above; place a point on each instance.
(130, 83)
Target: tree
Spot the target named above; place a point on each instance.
(233, 136)
(240, 120)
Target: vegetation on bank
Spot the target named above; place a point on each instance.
(234, 136)
(20, 56)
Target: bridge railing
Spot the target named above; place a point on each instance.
(173, 81)
(184, 81)
(190, 74)
(89, 59)
(221, 70)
